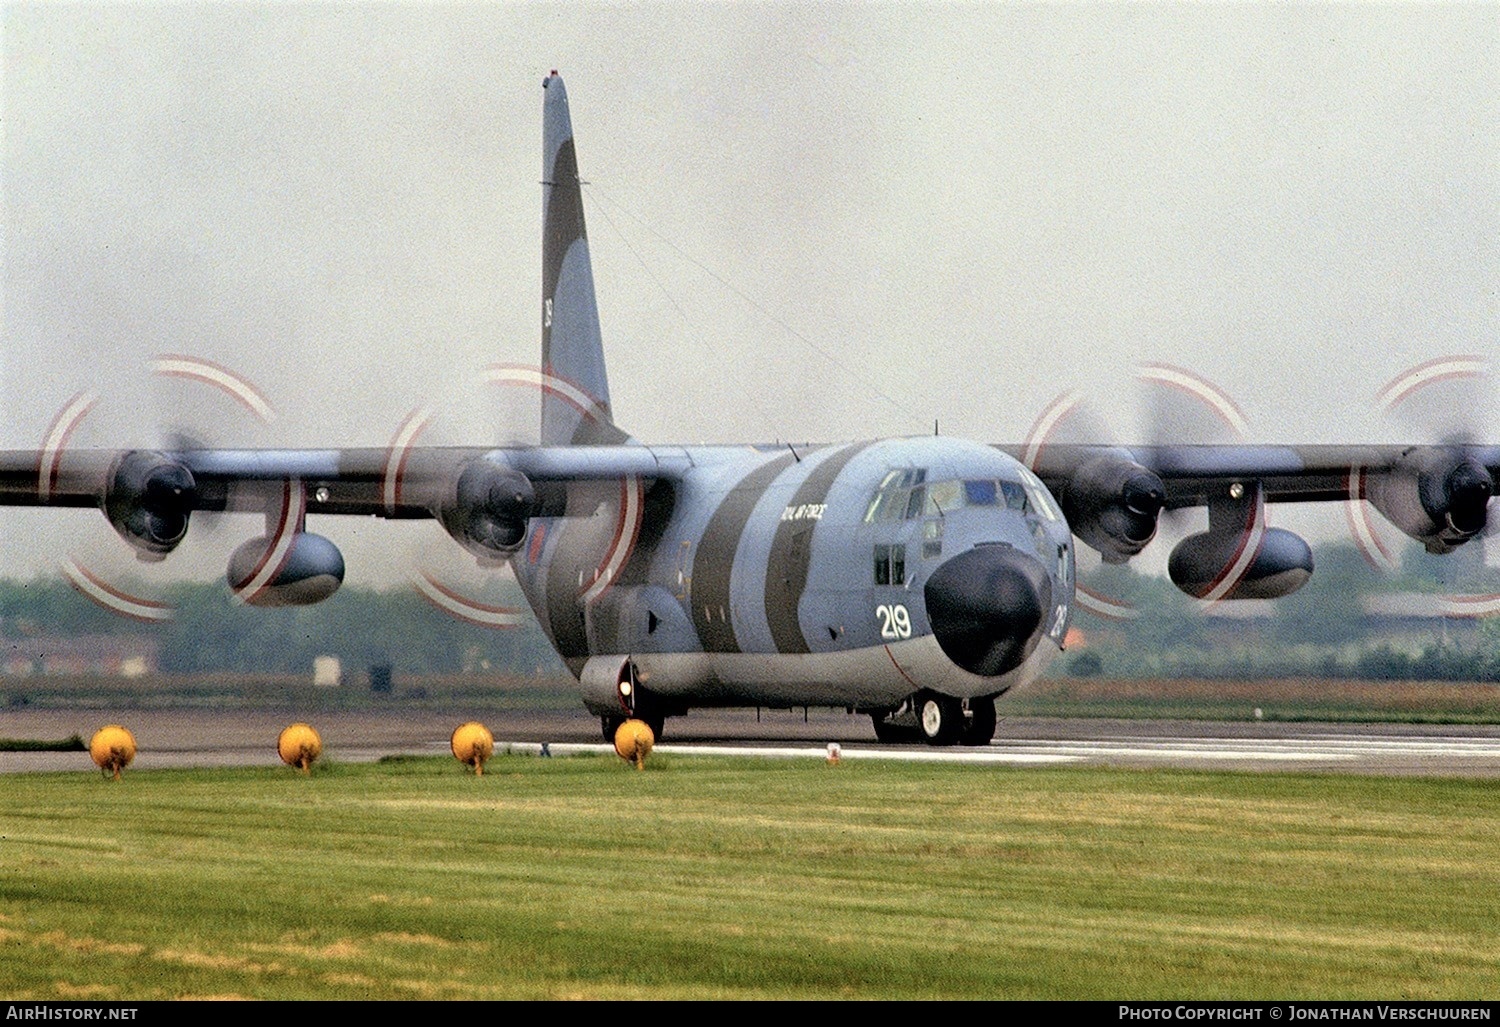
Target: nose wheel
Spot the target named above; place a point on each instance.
(637, 703)
(937, 720)
(610, 723)
(940, 717)
(944, 721)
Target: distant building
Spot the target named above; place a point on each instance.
(327, 672)
(1422, 617)
(128, 656)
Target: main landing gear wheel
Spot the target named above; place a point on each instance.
(980, 727)
(941, 718)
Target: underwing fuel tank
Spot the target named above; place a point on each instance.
(296, 571)
(1202, 564)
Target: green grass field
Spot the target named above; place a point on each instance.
(745, 878)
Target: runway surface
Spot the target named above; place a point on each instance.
(199, 738)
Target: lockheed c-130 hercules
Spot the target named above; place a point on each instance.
(912, 580)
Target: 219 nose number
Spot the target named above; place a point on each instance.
(895, 622)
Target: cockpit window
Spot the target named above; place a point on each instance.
(981, 493)
(944, 497)
(1015, 495)
(901, 496)
(906, 495)
(1040, 498)
(883, 505)
(890, 565)
(916, 502)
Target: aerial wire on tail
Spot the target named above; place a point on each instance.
(755, 305)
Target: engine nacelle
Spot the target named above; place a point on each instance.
(148, 502)
(1200, 564)
(1112, 504)
(1437, 495)
(308, 571)
(488, 510)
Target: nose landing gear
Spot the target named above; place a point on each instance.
(937, 719)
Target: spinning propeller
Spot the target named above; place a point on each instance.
(1439, 492)
(1117, 501)
(1436, 493)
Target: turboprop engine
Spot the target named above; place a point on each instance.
(488, 509)
(1438, 495)
(148, 502)
(1112, 503)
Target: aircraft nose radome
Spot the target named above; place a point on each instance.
(986, 607)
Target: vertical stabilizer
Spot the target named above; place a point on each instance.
(575, 388)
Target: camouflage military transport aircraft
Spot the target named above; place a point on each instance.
(912, 580)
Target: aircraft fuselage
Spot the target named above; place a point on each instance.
(786, 576)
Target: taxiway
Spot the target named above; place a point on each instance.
(201, 738)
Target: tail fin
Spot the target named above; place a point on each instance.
(575, 388)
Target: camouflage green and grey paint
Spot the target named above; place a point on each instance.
(748, 574)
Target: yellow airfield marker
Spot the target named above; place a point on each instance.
(633, 742)
(472, 745)
(112, 749)
(299, 745)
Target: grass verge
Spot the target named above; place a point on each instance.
(73, 743)
(745, 878)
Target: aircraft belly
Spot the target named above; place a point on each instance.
(871, 677)
(924, 664)
(862, 677)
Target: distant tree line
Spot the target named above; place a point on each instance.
(1322, 630)
(362, 627)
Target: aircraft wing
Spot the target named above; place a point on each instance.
(1194, 474)
(1436, 494)
(483, 498)
(389, 482)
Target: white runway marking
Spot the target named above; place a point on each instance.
(1318, 749)
(1305, 749)
(976, 755)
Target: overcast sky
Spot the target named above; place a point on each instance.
(808, 221)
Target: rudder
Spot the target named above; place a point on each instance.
(575, 387)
